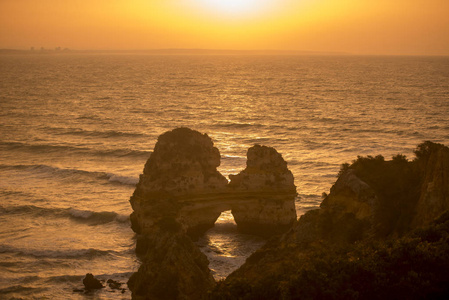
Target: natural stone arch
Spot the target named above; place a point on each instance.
(181, 181)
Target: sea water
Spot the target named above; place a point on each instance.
(77, 129)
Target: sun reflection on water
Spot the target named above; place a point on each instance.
(227, 248)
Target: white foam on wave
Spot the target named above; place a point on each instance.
(74, 173)
(122, 179)
(98, 217)
(77, 213)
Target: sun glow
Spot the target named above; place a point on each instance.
(418, 27)
(236, 7)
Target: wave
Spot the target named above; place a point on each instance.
(93, 133)
(45, 148)
(84, 216)
(66, 254)
(98, 217)
(67, 173)
(23, 290)
(237, 158)
(237, 125)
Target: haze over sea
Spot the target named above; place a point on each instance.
(77, 129)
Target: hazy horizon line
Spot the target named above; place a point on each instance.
(197, 51)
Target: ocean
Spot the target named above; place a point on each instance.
(77, 129)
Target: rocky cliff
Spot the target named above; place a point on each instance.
(181, 194)
(434, 197)
(378, 234)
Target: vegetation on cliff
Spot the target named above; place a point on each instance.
(412, 267)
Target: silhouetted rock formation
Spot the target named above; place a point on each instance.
(268, 188)
(181, 194)
(183, 167)
(91, 283)
(180, 180)
(364, 241)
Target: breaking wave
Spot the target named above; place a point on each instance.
(93, 133)
(66, 253)
(65, 173)
(84, 216)
(45, 148)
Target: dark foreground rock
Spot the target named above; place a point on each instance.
(173, 268)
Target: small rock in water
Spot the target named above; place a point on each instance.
(91, 283)
(114, 284)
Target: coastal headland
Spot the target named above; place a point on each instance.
(381, 232)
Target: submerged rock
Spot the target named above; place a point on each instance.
(115, 285)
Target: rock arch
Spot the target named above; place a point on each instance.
(181, 194)
(181, 181)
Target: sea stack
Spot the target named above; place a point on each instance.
(181, 194)
(269, 191)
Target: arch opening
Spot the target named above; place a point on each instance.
(226, 247)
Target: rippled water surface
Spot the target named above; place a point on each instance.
(76, 130)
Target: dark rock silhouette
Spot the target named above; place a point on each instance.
(91, 283)
(181, 194)
(173, 268)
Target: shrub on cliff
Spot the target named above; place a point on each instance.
(397, 184)
(412, 267)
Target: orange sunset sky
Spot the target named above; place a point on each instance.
(409, 27)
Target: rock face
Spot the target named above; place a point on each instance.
(173, 268)
(352, 195)
(181, 194)
(183, 167)
(268, 186)
(435, 188)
